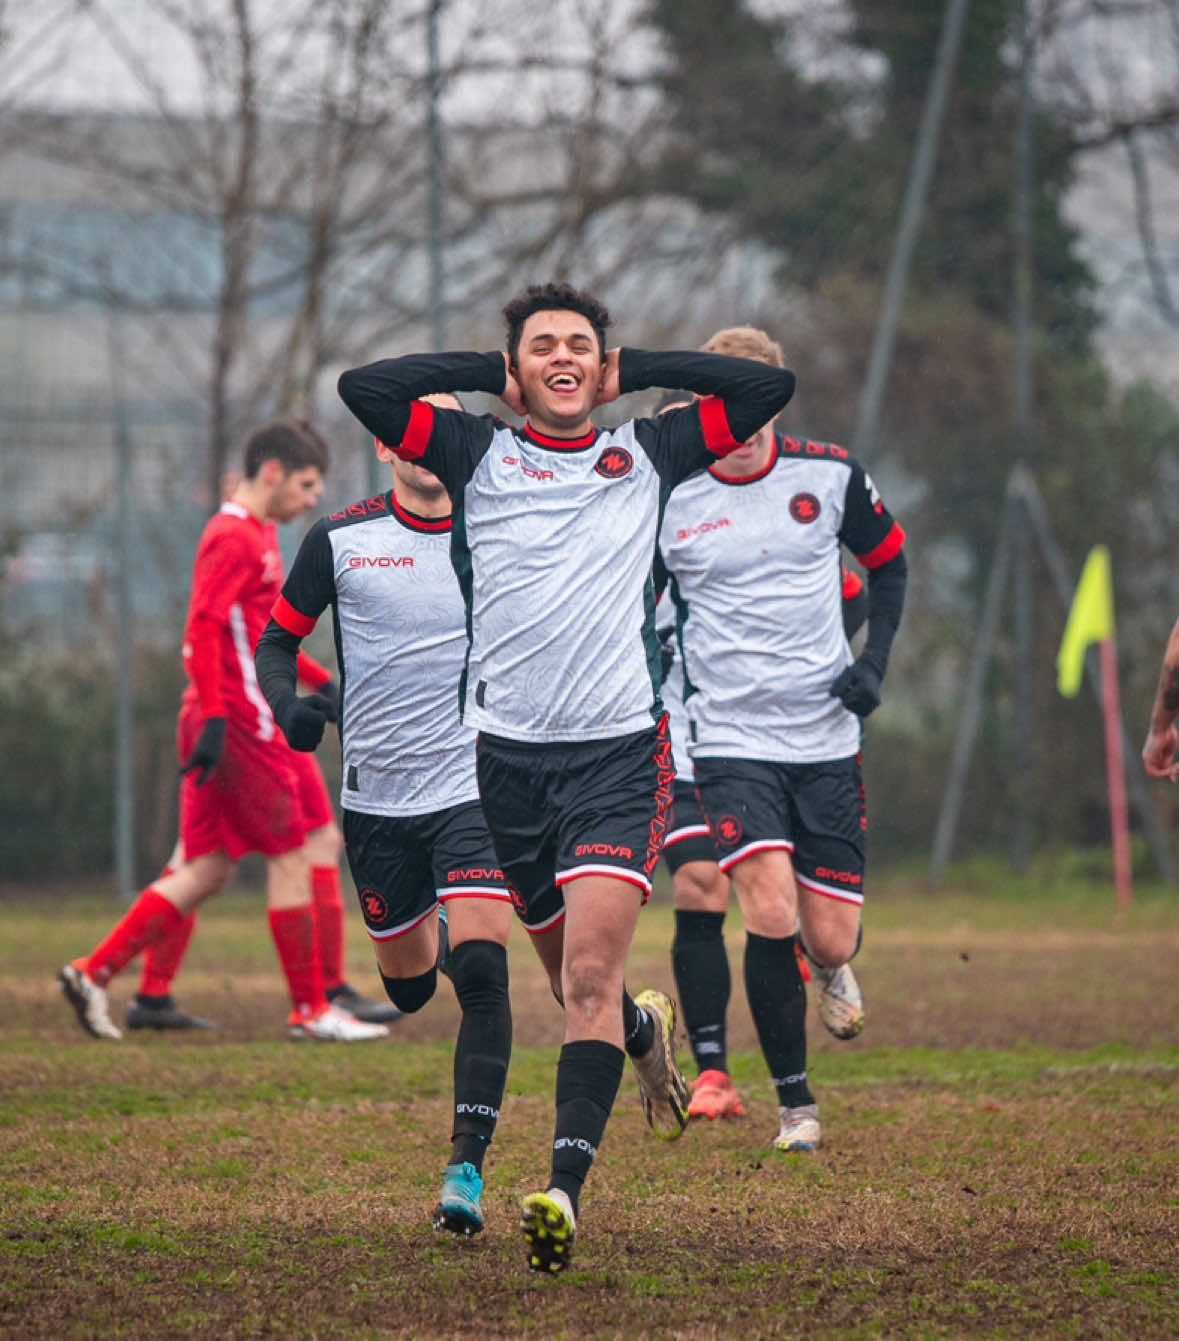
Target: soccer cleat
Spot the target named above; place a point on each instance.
(800, 1130)
(333, 1026)
(349, 1000)
(549, 1230)
(459, 1208)
(841, 1005)
(162, 1012)
(89, 1002)
(662, 1089)
(715, 1096)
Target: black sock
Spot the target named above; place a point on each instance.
(479, 971)
(777, 1001)
(701, 967)
(588, 1075)
(638, 1028)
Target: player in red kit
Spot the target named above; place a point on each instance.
(241, 792)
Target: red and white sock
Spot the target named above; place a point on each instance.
(150, 920)
(293, 930)
(329, 920)
(161, 961)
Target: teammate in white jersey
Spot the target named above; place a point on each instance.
(774, 701)
(555, 528)
(413, 826)
(702, 893)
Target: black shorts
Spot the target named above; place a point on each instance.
(561, 811)
(816, 812)
(688, 836)
(403, 866)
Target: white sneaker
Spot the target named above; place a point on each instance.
(333, 1026)
(89, 1002)
(800, 1130)
(841, 1004)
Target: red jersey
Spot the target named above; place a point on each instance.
(237, 576)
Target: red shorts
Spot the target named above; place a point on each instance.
(250, 804)
(313, 793)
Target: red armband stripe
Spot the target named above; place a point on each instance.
(417, 433)
(718, 437)
(292, 620)
(313, 675)
(853, 584)
(889, 548)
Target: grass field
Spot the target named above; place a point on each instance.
(1001, 1151)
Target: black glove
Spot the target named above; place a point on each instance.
(302, 719)
(858, 686)
(331, 691)
(209, 750)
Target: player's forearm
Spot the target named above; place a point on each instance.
(753, 393)
(310, 672)
(381, 394)
(276, 661)
(886, 601)
(1166, 699)
(202, 655)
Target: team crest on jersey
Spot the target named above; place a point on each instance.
(614, 463)
(376, 906)
(729, 830)
(804, 508)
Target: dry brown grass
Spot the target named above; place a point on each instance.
(1001, 1158)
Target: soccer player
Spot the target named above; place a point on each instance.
(554, 539)
(702, 892)
(415, 833)
(241, 790)
(774, 700)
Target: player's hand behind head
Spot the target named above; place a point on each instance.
(610, 387)
(512, 395)
(208, 752)
(302, 720)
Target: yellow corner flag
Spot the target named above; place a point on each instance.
(1091, 620)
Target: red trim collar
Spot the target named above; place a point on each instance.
(560, 444)
(416, 523)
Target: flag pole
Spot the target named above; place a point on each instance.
(1119, 820)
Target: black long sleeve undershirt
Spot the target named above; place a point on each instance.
(276, 661)
(380, 394)
(886, 600)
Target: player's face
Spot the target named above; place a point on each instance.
(417, 478)
(295, 493)
(558, 366)
(752, 456)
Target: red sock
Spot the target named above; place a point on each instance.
(161, 961)
(329, 922)
(151, 918)
(294, 935)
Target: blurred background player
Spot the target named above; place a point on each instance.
(415, 833)
(241, 791)
(774, 699)
(702, 892)
(554, 553)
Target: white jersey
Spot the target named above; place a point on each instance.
(555, 538)
(401, 637)
(755, 578)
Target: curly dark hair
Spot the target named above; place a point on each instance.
(554, 297)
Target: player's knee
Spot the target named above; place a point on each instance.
(410, 994)
(479, 971)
